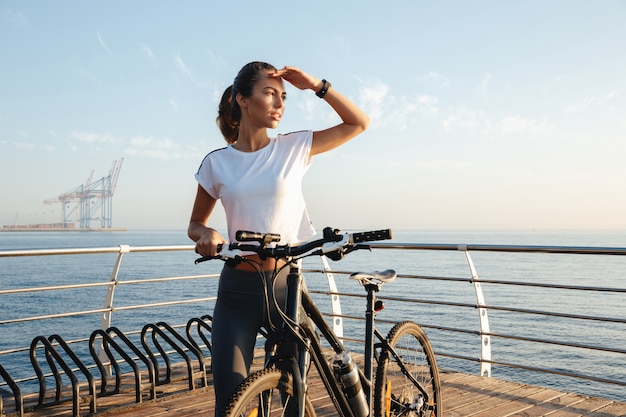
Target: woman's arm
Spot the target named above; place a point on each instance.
(207, 239)
(354, 120)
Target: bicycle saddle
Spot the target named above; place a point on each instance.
(388, 275)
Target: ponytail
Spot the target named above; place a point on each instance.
(229, 112)
(228, 116)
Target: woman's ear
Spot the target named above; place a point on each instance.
(241, 100)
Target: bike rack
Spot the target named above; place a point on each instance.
(51, 356)
(114, 349)
(17, 393)
(161, 330)
(107, 343)
(201, 323)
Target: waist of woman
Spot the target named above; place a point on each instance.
(253, 263)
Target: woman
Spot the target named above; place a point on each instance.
(259, 182)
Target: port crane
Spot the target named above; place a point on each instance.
(92, 200)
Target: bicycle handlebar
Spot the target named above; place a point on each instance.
(333, 244)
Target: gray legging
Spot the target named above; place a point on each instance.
(240, 311)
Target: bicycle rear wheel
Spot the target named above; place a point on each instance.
(394, 393)
(266, 393)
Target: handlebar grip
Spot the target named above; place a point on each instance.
(245, 236)
(372, 236)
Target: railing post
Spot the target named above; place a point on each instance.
(335, 303)
(108, 301)
(485, 340)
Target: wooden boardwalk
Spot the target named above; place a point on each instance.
(463, 395)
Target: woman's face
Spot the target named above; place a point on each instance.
(266, 105)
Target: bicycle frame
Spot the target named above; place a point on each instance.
(308, 348)
(298, 351)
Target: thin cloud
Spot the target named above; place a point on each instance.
(374, 99)
(433, 77)
(24, 145)
(140, 145)
(483, 87)
(477, 122)
(180, 64)
(216, 60)
(182, 67)
(147, 51)
(87, 137)
(592, 102)
(517, 124)
(104, 45)
(155, 148)
(89, 76)
(17, 19)
(388, 110)
(465, 119)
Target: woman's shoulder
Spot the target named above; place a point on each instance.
(296, 134)
(214, 154)
(302, 137)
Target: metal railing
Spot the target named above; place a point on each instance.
(593, 342)
(540, 331)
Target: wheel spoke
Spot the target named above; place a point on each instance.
(396, 391)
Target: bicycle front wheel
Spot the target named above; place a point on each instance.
(266, 393)
(394, 393)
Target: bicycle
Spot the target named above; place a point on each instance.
(407, 378)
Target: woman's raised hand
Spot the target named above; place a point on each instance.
(298, 78)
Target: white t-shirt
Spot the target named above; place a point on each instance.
(261, 191)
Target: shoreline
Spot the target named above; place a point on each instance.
(61, 229)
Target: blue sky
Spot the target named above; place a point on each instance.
(485, 114)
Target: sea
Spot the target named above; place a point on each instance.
(444, 304)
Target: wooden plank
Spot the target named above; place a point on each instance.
(527, 396)
(474, 389)
(562, 402)
(614, 409)
(463, 395)
(586, 406)
(500, 403)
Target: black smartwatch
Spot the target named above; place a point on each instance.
(325, 86)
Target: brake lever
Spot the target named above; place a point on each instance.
(206, 258)
(231, 256)
(338, 255)
(358, 246)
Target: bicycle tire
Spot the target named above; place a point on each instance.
(276, 385)
(394, 394)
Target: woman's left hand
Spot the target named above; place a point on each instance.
(298, 78)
